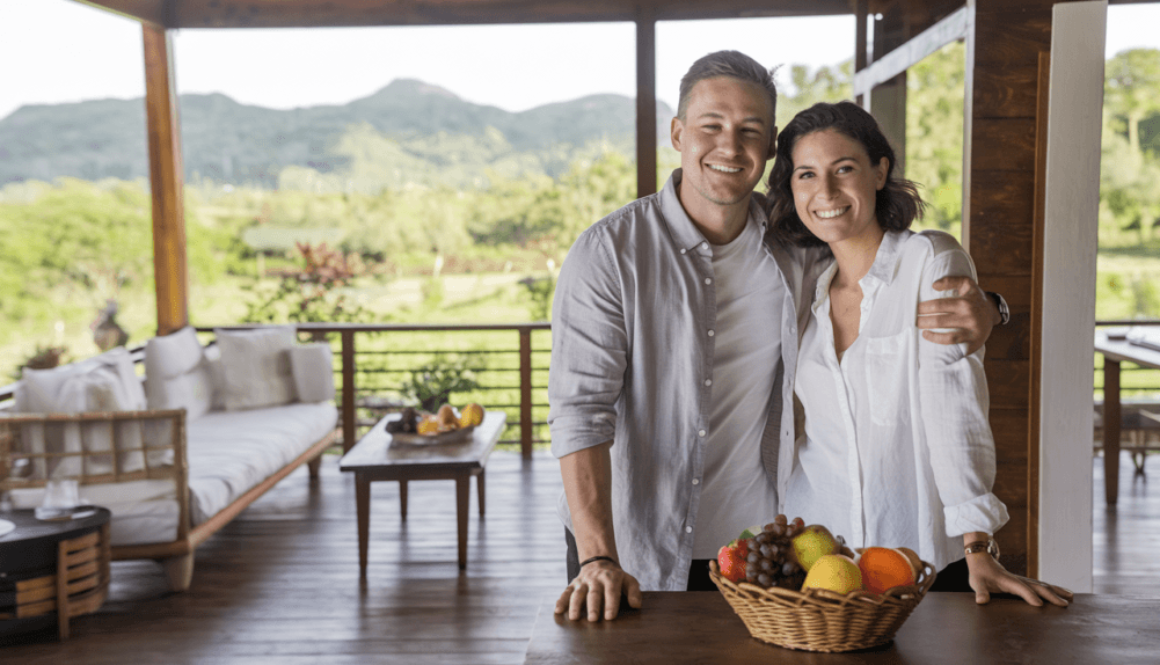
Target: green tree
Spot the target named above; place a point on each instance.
(1132, 89)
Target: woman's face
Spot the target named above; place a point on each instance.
(835, 186)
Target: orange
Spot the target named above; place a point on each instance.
(884, 568)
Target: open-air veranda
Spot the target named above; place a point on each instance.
(281, 580)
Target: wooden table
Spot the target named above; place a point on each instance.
(56, 567)
(700, 627)
(1116, 352)
(374, 458)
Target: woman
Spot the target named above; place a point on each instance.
(896, 449)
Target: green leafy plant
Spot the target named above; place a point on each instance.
(432, 385)
(45, 357)
(540, 292)
(311, 293)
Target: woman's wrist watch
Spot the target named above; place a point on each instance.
(989, 546)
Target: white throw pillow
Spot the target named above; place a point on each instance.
(313, 369)
(178, 376)
(105, 383)
(256, 367)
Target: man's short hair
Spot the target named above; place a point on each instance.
(733, 64)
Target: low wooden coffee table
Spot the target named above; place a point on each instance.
(48, 568)
(374, 458)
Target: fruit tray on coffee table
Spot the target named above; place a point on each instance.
(455, 436)
(821, 620)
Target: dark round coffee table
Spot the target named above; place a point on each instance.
(52, 570)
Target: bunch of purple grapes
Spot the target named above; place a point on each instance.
(771, 561)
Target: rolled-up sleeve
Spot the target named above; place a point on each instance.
(589, 347)
(955, 403)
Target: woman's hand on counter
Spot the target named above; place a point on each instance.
(989, 576)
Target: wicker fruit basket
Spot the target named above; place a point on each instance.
(820, 620)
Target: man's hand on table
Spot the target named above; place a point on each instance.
(970, 313)
(596, 590)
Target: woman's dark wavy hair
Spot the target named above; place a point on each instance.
(898, 203)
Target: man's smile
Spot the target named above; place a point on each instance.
(725, 169)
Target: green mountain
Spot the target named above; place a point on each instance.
(410, 132)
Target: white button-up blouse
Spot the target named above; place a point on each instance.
(896, 449)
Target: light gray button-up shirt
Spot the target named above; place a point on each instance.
(631, 354)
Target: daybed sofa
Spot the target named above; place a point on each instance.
(177, 458)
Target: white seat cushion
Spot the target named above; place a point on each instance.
(144, 511)
(230, 452)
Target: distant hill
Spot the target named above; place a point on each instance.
(409, 132)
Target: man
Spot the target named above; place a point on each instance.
(675, 331)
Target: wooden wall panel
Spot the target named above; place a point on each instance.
(1005, 144)
(1012, 341)
(1009, 382)
(1000, 159)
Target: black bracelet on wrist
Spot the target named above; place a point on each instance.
(599, 558)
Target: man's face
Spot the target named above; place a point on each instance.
(725, 140)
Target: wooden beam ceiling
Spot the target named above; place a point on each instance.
(353, 13)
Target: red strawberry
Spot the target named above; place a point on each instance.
(731, 559)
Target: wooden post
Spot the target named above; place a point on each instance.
(1033, 431)
(888, 101)
(646, 104)
(1113, 418)
(861, 11)
(526, 393)
(349, 423)
(165, 178)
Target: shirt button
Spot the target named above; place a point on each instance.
(696, 481)
(704, 245)
(701, 432)
(688, 529)
(708, 281)
(708, 382)
(711, 333)
(682, 251)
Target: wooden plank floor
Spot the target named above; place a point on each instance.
(280, 584)
(1126, 540)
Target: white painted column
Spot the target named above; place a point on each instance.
(1069, 276)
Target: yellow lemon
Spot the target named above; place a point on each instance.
(471, 415)
(427, 425)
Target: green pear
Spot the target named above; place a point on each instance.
(813, 543)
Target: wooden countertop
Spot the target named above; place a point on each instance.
(700, 627)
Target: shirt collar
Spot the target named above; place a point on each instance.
(684, 233)
(881, 272)
(886, 261)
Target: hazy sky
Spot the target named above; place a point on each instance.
(60, 51)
